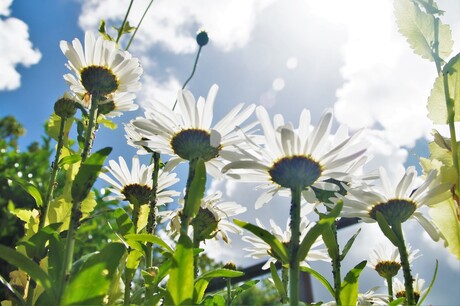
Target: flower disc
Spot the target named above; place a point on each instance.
(137, 194)
(194, 143)
(295, 172)
(99, 80)
(394, 210)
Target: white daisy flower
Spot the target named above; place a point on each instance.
(400, 290)
(186, 134)
(297, 158)
(212, 220)
(386, 261)
(372, 298)
(135, 185)
(102, 69)
(260, 249)
(398, 202)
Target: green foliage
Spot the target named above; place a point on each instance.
(320, 278)
(349, 291)
(196, 191)
(30, 189)
(419, 29)
(278, 283)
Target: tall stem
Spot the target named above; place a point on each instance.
(185, 220)
(390, 288)
(229, 292)
(54, 170)
(151, 222)
(294, 265)
(75, 212)
(138, 25)
(408, 280)
(336, 266)
(120, 30)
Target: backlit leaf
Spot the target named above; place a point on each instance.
(349, 291)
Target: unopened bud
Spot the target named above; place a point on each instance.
(65, 107)
(202, 38)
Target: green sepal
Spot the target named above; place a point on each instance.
(350, 285)
(276, 245)
(88, 174)
(320, 278)
(179, 289)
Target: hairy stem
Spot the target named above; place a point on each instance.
(120, 30)
(138, 25)
(408, 279)
(294, 265)
(151, 222)
(91, 130)
(390, 287)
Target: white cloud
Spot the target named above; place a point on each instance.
(15, 48)
(173, 23)
(154, 91)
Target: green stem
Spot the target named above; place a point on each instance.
(151, 222)
(390, 288)
(403, 254)
(185, 220)
(30, 292)
(192, 74)
(294, 265)
(127, 281)
(138, 25)
(120, 30)
(54, 170)
(229, 292)
(75, 212)
(285, 281)
(336, 268)
(91, 130)
(196, 245)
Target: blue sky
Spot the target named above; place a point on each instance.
(285, 56)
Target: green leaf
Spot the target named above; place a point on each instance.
(397, 302)
(330, 242)
(418, 28)
(107, 123)
(386, 230)
(11, 289)
(437, 106)
(93, 280)
(127, 28)
(278, 283)
(427, 291)
(214, 300)
(149, 238)
(54, 125)
(240, 289)
(221, 273)
(320, 278)
(24, 263)
(199, 290)
(36, 245)
(444, 215)
(317, 230)
(30, 189)
(88, 173)
(133, 260)
(55, 259)
(349, 244)
(69, 160)
(276, 245)
(181, 275)
(349, 291)
(125, 225)
(196, 192)
(103, 31)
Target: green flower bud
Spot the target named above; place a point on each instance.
(202, 38)
(65, 107)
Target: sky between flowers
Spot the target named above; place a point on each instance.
(346, 55)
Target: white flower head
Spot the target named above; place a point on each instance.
(260, 249)
(212, 220)
(102, 69)
(186, 134)
(136, 184)
(297, 158)
(371, 297)
(400, 290)
(397, 203)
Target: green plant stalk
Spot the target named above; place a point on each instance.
(54, 171)
(151, 222)
(120, 30)
(91, 130)
(75, 212)
(138, 25)
(389, 280)
(229, 292)
(336, 266)
(185, 220)
(294, 265)
(450, 104)
(408, 279)
(285, 281)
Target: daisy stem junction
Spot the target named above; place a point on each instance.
(294, 265)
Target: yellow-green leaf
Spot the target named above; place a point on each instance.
(446, 217)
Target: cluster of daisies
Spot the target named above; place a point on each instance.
(283, 158)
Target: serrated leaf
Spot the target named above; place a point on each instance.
(181, 275)
(149, 238)
(320, 278)
(196, 192)
(350, 285)
(445, 216)
(88, 173)
(418, 28)
(125, 225)
(437, 106)
(30, 189)
(31, 219)
(276, 245)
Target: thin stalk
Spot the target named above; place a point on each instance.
(196, 245)
(151, 222)
(138, 25)
(91, 130)
(185, 220)
(408, 279)
(192, 74)
(390, 288)
(229, 292)
(336, 268)
(294, 265)
(285, 281)
(120, 30)
(54, 170)
(75, 212)
(127, 281)
(30, 292)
